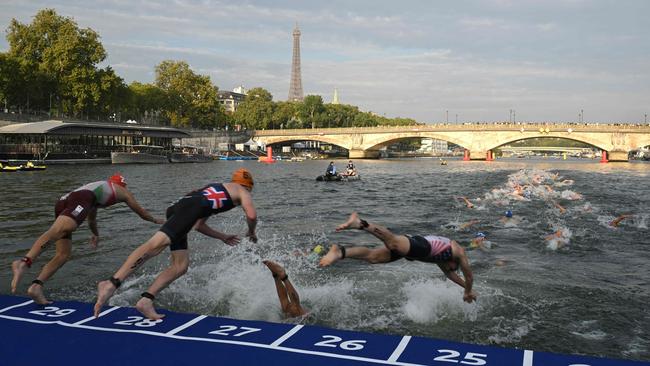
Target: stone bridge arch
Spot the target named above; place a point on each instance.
(385, 140)
(598, 143)
(282, 139)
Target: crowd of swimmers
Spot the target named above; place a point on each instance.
(191, 212)
(193, 209)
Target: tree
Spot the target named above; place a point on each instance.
(11, 79)
(285, 115)
(256, 111)
(191, 99)
(57, 57)
(312, 110)
(340, 115)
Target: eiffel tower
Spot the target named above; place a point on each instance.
(295, 88)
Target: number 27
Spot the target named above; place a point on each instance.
(470, 358)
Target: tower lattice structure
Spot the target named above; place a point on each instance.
(295, 88)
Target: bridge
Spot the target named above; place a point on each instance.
(479, 139)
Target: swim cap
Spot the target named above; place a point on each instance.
(118, 179)
(243, 177)
(480, 234)
(508, 213)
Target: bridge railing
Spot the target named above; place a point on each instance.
(526, 126)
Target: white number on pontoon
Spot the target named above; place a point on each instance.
(139, 321)
(53, 312)
(353, 345)
(469, 359)
(225, 330)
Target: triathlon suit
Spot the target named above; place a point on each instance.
(79, 202)
(430, 249)
(183, 214)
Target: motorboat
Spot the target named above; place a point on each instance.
(188, 154)
(140, 154)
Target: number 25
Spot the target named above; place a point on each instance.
(470, 358)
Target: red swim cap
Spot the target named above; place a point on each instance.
(243, 177)
(117, 178)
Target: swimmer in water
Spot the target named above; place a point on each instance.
(446, 253)
(287, 294)
(480, 242)
(559, 207)
(616, 221)
(468, 224)
(467, 202)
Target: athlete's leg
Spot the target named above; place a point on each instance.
(149, 249)
(62, 226)
(180, 261)
(375, 255)
(63, 250)
(279, 273)
(397, 243)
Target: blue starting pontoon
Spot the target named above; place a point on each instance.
(66, 333)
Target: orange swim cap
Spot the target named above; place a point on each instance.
(243, 177)
(118, 179)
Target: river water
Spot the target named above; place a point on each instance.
(584, 290)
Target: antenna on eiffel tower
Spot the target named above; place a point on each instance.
(295, 88)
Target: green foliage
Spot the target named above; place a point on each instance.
(56, 57)
(256, 111)
(190, 99)
(52, 65)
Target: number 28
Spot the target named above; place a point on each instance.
(469, 359)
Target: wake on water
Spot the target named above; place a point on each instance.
(233, 282)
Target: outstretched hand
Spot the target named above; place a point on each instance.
(94, 240)
(469, 297)
(231, 239)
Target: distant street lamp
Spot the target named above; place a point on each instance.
(510, 117)
(456, 118)
(645, 116)
(447, 116)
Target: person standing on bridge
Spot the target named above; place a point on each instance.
(70, 211)
(446, 253)
(190, 211)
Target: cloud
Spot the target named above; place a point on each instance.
(412, 58)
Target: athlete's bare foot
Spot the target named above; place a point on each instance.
(145, 307)
(352, 223)
(17, 267)
(35, 291)
(332, 256)
(276, 269)
(105, 289)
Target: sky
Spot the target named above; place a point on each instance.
(433, 61)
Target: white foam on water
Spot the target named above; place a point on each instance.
(594, 335)
(431, 300)
(570, 195)
(508, 331)
(560, 238)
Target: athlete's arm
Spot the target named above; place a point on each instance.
(249, 211)
(92, 224)
(469, 295)
(204, 229)
(135, 206)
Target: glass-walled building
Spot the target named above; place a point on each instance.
(77, 140)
